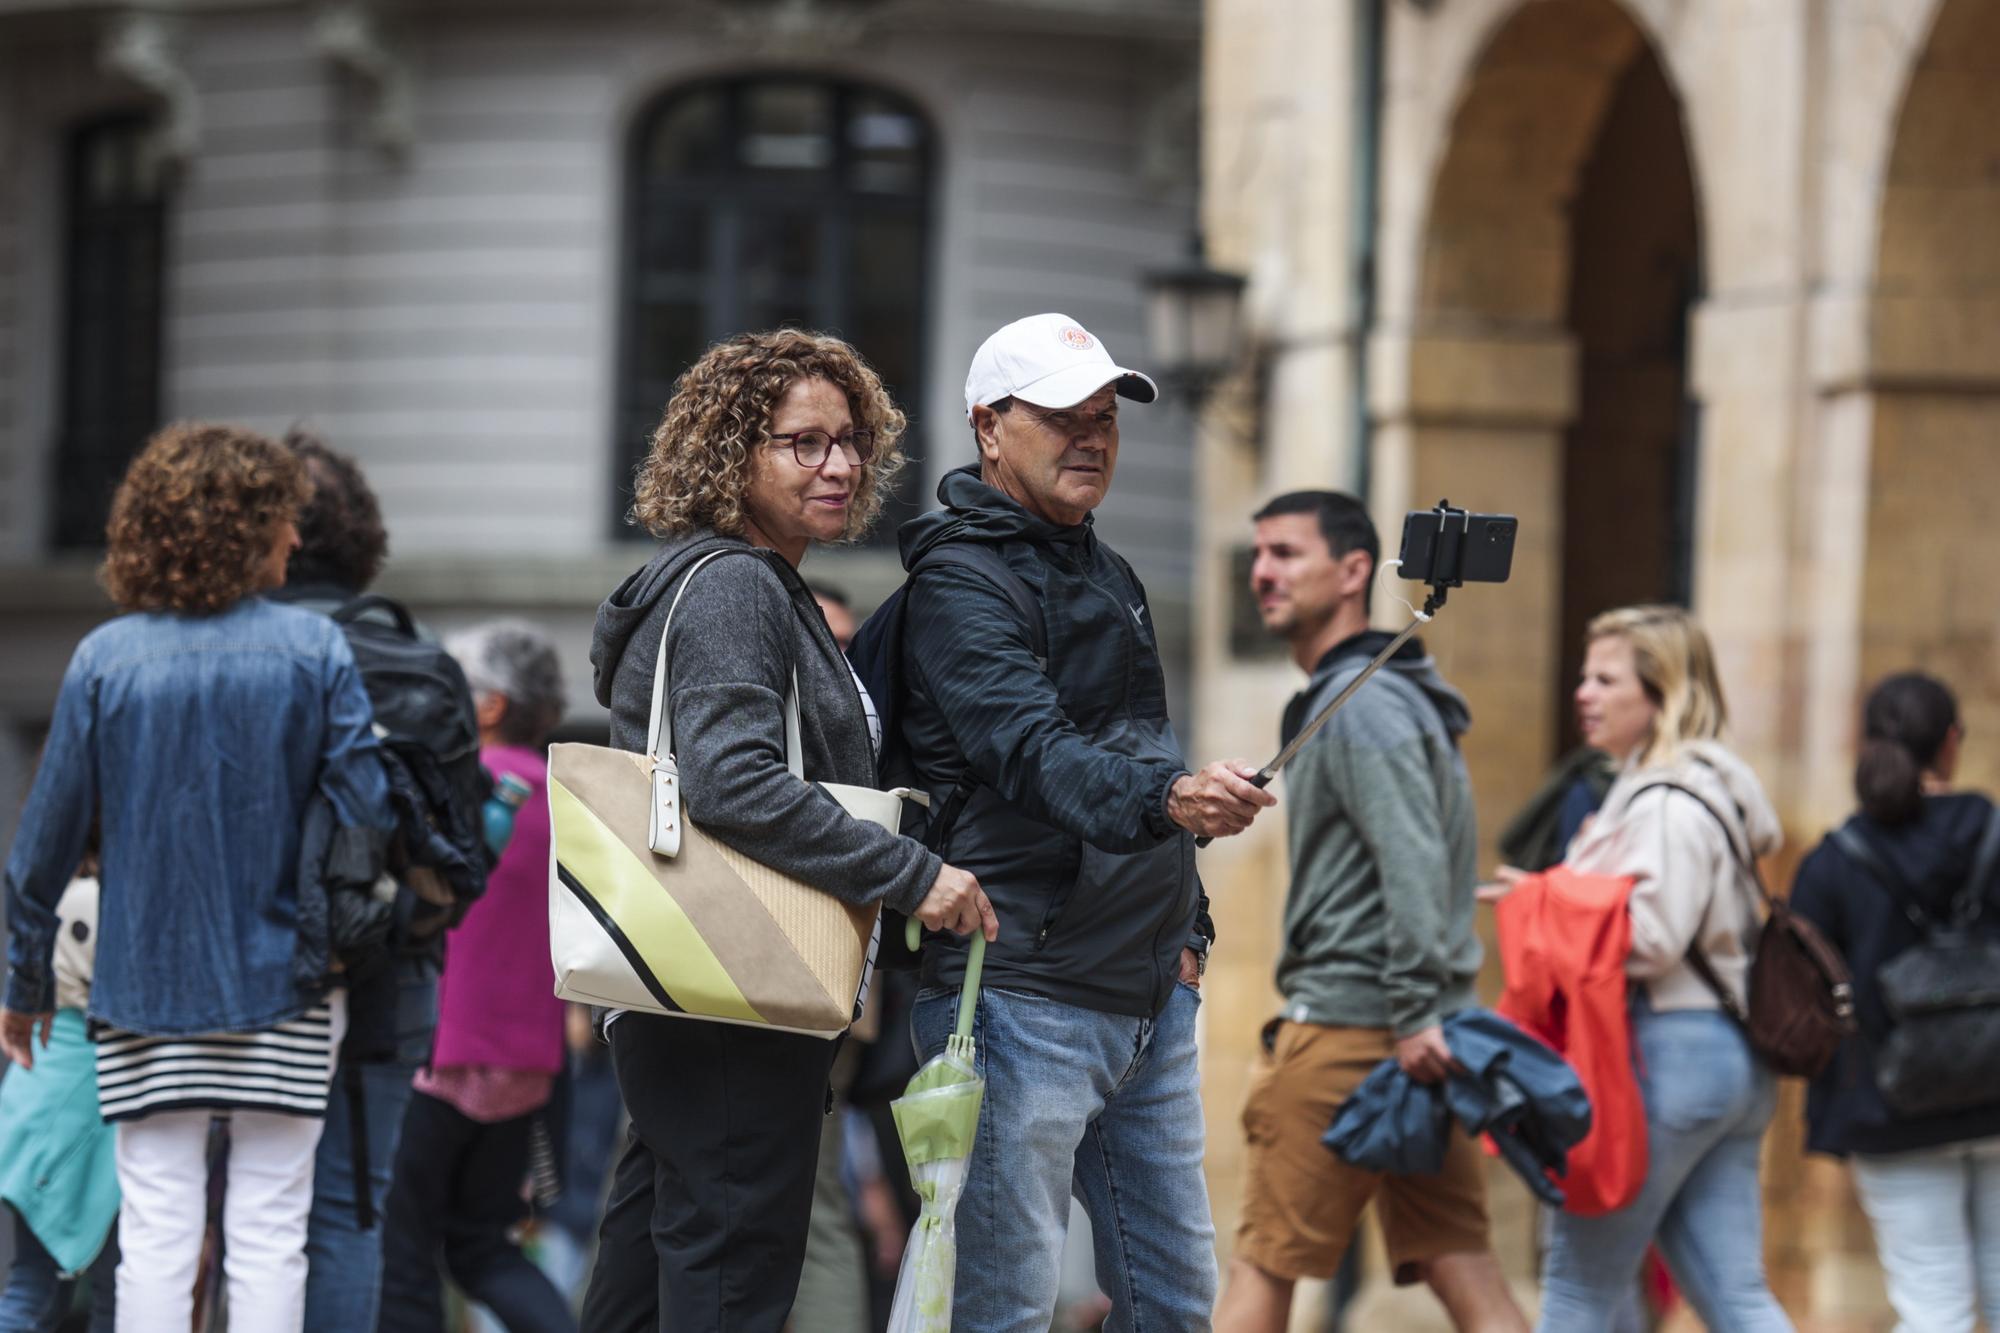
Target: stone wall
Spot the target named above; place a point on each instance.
(1832, 407)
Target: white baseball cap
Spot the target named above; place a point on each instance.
(1050, 361)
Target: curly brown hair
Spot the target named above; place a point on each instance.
(699, 469)
(194, 518)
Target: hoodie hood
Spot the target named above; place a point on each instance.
(1411, 662)
(1714, 771)
(1935, 851)
(621, 614)
(974, 511)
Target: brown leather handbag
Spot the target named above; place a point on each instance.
(1801, 994)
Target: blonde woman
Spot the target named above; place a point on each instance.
(1681, 819)
(772, 441)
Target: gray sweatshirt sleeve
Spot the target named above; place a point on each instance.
(731, 655)
(1391, 796)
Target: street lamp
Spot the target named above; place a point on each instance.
(1193, 313)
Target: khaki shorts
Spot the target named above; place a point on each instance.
(1302, 1204)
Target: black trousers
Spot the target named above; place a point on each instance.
(455, 1197)
(705, 1231)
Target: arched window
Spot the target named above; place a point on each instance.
(115, 207)
(767, 201)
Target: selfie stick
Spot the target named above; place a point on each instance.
(1432, 604)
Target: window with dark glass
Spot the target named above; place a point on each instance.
(114, 225)
(765, 202)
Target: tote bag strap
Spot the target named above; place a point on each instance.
(660, 732)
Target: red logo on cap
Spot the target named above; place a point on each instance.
(1075, 338)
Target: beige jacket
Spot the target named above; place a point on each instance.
(1689, 884)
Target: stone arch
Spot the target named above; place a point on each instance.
(1540, 366)
(1929, 599)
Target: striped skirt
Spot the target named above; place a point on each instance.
(286, 1068)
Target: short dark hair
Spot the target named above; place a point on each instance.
(826, 592)
(1343, 520)
(341, 537)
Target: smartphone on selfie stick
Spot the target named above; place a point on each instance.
(1443, 548)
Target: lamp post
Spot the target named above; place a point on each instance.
(1193, 316)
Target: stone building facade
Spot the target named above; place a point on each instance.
(473, 243)
(1708, 293)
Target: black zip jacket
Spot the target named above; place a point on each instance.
(1845, 1111)
(1066, 826)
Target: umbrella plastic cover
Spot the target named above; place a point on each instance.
(936, 1120)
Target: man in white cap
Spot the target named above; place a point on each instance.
(1034, 710)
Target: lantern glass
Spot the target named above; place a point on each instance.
(1192, 316)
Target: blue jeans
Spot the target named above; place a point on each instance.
(344, 1274)
(1708, 1100)
(37, 1297)
(1102, 1106)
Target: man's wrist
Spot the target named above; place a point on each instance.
(1403, 1031)
(1198, 946)
(1171, 798)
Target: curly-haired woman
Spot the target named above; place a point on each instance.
(196, 728)
(772, 441)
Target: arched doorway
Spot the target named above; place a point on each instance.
(1929, 598)
(1548, 359)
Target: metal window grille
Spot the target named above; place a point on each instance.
(766, 202)
(114, 196)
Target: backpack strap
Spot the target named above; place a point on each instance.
(991, 565)
(1972, 898)
(360, 606)
(1966, 904)
(982, 556)
(1854, 843)
(1697, 957)
(1741, 855)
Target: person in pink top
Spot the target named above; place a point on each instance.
(476, 1125)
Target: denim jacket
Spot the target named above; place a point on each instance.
(198, 740)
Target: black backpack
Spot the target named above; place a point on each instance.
(877, 656)
(1942, 1053)
(429, 732)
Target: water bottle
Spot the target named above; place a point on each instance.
(510, 793)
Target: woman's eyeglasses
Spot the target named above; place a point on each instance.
(812, 447)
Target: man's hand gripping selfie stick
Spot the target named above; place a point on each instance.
(1438, 549)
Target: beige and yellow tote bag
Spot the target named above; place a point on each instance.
(648, 912)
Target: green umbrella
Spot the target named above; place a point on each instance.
(937, 1118)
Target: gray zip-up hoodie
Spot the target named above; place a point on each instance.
(746, 623)
(1379, 922)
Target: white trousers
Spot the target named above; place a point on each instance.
(163, 1173)
(1936, 1215)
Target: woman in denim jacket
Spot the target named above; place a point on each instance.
(195, 729)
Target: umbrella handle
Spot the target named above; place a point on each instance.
(975, 959)
(968, 990)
